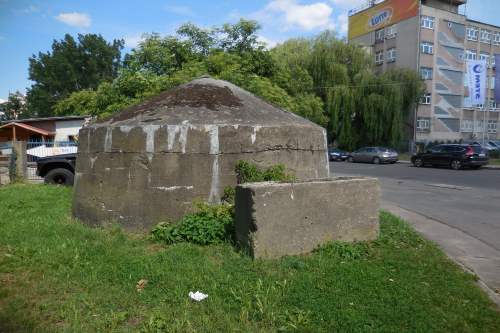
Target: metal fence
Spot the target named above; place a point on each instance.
(38, 149)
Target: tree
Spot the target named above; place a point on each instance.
(15, 107)
(72, 65)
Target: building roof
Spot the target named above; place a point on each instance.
(28, 128)
(32, 120)
(204, 101)
(483, 23)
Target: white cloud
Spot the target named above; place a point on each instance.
(350, 4)
(133, 40)
(75, 19)
(180, 10)
(306, 17)
(268, 43)
(343, 23)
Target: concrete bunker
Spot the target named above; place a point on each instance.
(149, 162)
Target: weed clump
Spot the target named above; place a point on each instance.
(210, 224)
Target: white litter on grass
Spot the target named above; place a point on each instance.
(198, 296)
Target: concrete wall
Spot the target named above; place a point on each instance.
(4, 170)
(139, 176)
(277, 219)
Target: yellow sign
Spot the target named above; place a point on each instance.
(381, 15)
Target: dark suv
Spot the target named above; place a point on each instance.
(57, 169)
(454, 156)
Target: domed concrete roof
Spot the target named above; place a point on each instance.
(205, 101)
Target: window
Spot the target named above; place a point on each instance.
(427, 22)
(493, 105)
(379, 35)
(379, 58)
(390, 32)
(391, 55)
(427, 47)
(492, 82)
(492, 126)
(496, 38)
(467, 125)
(470, 55)
(426, 73)
(485, 36)
(426, 99)
(478, 126)
(472, 33)
(423, 124)
(484, 56)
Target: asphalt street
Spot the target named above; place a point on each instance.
(468, 200)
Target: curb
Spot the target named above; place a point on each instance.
(460, 247)
(487, 167)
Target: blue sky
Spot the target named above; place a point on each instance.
(28, 26)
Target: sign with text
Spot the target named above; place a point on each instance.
(381, 15)
(476, 72)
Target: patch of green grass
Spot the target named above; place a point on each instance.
(495, 161)
(56, 275)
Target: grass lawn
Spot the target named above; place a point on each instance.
(58, 275)
(495, 161)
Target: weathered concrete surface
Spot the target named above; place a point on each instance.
(149, 162)
(4, 170)
(277, 219)
(21, 158)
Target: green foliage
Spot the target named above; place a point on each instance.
(72, 65)
(15, 107)
(229, 195)
(323, 79)
(210, 224)
(249, 173)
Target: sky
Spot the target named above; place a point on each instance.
(29, 26)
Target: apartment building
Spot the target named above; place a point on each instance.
(435, 38)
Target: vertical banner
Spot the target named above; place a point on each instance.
(476, 70)
(497, 78)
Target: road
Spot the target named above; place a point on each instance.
(468, 200)
(459, 210)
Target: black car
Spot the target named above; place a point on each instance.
(335, 154)
(455, 156)
(57, 169)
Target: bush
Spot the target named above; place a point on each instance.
(210, 224)
(250, 173)
(494, 154)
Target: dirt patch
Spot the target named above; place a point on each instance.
(191, 95)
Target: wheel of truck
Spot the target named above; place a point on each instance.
(59, 176)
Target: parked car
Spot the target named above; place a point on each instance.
(488, 145)
(58, 169)
(456, 156)
(376, 155)
(335, 154)
(495, 143)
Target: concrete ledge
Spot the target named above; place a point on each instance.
(278, 219)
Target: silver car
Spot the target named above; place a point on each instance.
(376, 155)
